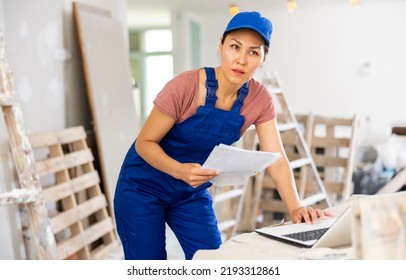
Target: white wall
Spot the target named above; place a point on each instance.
(45, 60)
(33, 36)
(319, 53)
(181, 32)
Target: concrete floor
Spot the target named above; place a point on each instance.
(173, 249)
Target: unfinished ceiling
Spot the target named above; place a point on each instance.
(157, 12)
(216, 6)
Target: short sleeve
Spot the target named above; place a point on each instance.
(178, 94)
(258, 106)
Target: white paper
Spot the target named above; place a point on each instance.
(237, 165)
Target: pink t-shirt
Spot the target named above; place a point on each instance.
(177, 99)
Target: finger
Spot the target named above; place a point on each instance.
(305, 216)
(206, 172)
(202, 177)
(313, 214)
(297, 219)
(328, 214)
(320, 214)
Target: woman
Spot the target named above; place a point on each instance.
(161, 179)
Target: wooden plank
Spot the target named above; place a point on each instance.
(19, 196)
(277, 206)
(71, 216)
(72, 134)
(334, 187)
(7, 100)
(287, 126)
(228, 195)
(251, 204)
(226, 225)
(299, 162)
(114, 133)
(64, 136)
(70, 246)
(56, 164)
(75, 185)
(313, 199)
(74, 244)
(330, 161)
(333, 121)
(102, 252)
(328, 142)
(348, 188)
(97, 230)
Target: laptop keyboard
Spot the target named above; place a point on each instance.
(307, 235)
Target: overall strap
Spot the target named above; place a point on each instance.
(211, 86)
(242, 93)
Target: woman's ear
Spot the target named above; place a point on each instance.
(265, 56)
(220, 47)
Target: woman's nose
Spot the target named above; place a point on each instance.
(241, 59)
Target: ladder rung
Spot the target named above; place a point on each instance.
(313, 199)
(226, 224)
(17, 196)
(227, 195)
(7, 100)
(299, 163)
(287, 126)
(275, 90)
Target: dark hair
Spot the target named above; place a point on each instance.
(266, 48)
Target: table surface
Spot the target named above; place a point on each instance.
(253, 246)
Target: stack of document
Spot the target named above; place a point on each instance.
(237, 165)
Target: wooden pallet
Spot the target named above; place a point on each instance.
(77, 208)
(332, 141)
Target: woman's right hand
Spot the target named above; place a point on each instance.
(194, 175)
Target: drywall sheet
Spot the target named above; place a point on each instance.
(108, 81)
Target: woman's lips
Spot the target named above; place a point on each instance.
(238, 72)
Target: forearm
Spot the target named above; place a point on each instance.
(284, 180)
(154, 155)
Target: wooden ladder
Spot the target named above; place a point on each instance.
(29, 192)
(310, 186)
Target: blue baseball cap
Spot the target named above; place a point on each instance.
(253, 21)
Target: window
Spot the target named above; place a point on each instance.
(151, 63)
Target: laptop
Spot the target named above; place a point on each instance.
(329, 232)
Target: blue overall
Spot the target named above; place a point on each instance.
(146, 198)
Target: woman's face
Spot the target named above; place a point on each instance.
(242, 52)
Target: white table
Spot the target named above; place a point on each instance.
(253, 246)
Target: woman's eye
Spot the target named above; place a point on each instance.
(235, 47)
(253, 53)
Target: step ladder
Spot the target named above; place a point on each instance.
(310, 186)
(39, 236)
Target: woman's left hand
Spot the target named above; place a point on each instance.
(308, 215)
